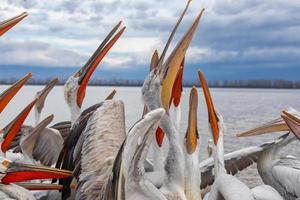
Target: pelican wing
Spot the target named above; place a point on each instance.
(66, 159)
(48, 146)
(103, 136)
(287, 173)
(234, 162)
(64, 128)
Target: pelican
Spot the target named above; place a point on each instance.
(281, 173)
(8, 24)
(75, 86)
(9, 93)
(227, 186)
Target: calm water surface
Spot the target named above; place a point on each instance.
(241, 109)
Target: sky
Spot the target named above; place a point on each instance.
(235, 40)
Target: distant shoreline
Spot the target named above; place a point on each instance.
(243, 84)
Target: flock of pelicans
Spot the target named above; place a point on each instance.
(92, 157)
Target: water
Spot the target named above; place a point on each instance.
(241, 109)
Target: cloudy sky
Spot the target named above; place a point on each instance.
(235, 40)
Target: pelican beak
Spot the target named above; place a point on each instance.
(159, 135)
(8, 24)
(292, 122)
(212, 115)
(111, 95)
(18, 172)
(42, 95)
(276, 125)
(9, 93)
(192, 135)
(32, 136)
(87, 70)
(10, 131)
(40, 186)
(171, 68)
(177, 87)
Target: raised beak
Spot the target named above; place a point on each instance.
(171, 67)
(10, 131)
(87, 70)
(111, 95)
(8, 24)
(18, 172)
(192, 135)
(292, 122)
(33, 135)
(40, 186)
(9, 93)
(269, 127)
(42, 95)
(212, 115)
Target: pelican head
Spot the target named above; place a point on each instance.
(134, 155)
(75, 86)
(42, 95)
(8, 94)
(276, 125)
(8, 24)
(11, 130)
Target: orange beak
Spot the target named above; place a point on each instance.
(177, 87)
(22, 172)
(87, 70)
(192, 135)
(13, 127)
(9, 93)
(8, 24)
(213, 119)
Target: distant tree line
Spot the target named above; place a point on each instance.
(263, 83)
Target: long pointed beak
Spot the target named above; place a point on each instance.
(10, 131)
(213, 118)
(87, 70)
(292, 122)
(22, 172)
(171, 67)
(42, 95)
(8, 24)
(276, 125)
(38, 129)
(8, 94)
(40, 186)
(111, 95)
(192, 135)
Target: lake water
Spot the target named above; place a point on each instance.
(241, 109)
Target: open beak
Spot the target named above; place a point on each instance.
(9, 93)
(8, 24)
(18, 172)
(42, 95)
(212, 116)
(276, 125)
(171, 67)
(40, 186)
(87, 70)
(192, 135)
(292, 122)
(10, 131)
